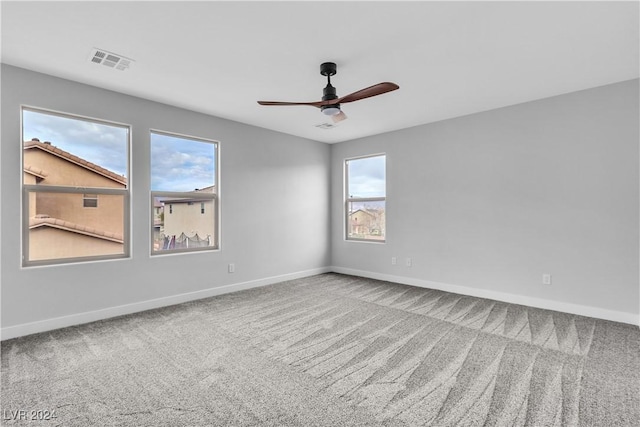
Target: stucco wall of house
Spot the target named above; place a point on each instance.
(187, 218)
(67, 244)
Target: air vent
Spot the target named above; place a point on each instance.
(326, 126)
(110, 59)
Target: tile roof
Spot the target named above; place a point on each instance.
(45, 220)
(35, 171)
(209, 189)
(75, 159)
(361, 210)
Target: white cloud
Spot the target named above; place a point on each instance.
(367, 177)
(179, 164)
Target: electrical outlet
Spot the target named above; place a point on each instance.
(546, 279)
(394, 260)
(232, 268)
(408, 262)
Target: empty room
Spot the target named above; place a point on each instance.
(320, 213)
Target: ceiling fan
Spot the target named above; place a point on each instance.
(330, 104)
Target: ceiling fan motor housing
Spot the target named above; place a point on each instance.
(329, 93)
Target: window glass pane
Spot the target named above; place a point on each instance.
(183, 223)
(181, 164)
(90, 201)
(60, 228)
(183, 182)
(366, 177)
(74, 152)
(68, 151)
(366, 220)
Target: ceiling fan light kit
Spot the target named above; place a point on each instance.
(330, 110)
(330, 104)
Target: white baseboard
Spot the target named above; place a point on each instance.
(582, 310)
(91, 316)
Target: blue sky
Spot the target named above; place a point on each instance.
(367, 177)
(177, 164)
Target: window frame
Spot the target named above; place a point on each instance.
(200, 197)
(35, 188)
(348, 199)
(85, 197)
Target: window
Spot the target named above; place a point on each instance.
(365, 184)
(184, 172)
(69, 162)
(90, 201)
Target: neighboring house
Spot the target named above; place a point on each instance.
(158, 217)
(366, 224)
(64, 225)
(189, 216)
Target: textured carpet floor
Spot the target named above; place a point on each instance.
(330, 350)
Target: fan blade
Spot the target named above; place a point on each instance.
(368, 92)
(313, 104)
(339, 117)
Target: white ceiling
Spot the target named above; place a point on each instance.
(449, 58)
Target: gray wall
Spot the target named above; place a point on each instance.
(488, 202)
(493, 200)
(274, 196)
